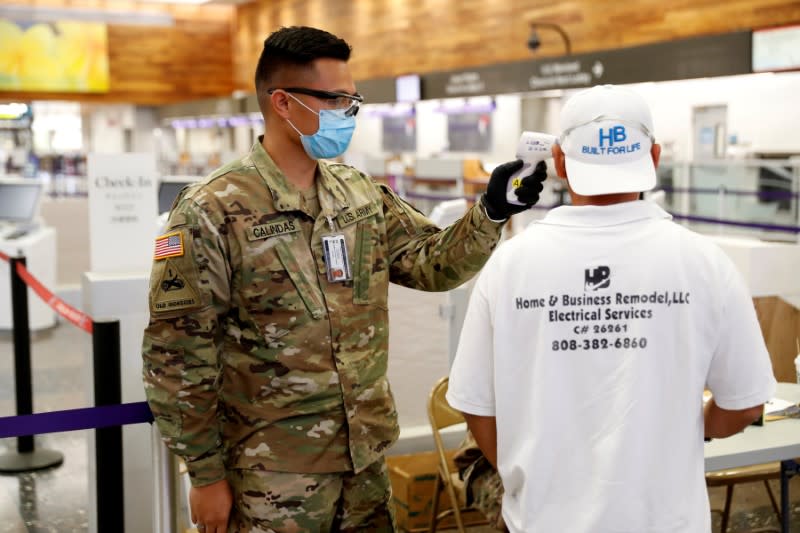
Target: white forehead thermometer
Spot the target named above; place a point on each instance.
(532, 148)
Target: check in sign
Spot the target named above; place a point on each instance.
(122, 211)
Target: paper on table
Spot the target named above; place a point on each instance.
(776, 404)
(777, 408)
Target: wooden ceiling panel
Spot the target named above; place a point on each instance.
(392, 37)
(213, 49)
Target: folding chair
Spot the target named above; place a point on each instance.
(441, 416)
(748, 474)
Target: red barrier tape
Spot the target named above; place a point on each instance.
(3, 256)
(58, 305)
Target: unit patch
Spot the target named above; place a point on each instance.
(273, 229)
(351, 216)
(174, 291)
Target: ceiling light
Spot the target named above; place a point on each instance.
(52, 14)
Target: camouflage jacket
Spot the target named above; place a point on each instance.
(252, 358)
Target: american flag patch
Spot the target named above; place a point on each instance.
(169, 245)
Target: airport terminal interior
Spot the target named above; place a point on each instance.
(109, 108)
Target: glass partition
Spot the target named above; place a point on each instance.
(754, 197)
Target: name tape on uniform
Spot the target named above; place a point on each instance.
(351, 216)
(273, 229)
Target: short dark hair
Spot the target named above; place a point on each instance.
(295, 47)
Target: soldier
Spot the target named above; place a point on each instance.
(265, 356)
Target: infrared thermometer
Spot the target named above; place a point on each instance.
(533, 147)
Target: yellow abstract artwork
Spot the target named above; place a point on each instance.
(58, 56)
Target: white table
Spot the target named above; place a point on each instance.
(774, 441)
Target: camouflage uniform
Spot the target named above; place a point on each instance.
(483, 483)
(312, 502)
(252, 358)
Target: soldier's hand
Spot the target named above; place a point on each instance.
(494, 199)
(211, 507)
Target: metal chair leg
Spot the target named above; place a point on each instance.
(451, 493)
(435, 508)
(726, 513)
(772, 499)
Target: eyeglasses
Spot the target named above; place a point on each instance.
(347, 101)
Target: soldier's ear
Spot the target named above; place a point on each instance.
(279, 101)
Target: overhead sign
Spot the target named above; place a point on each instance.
(720, 55)
(65, 56)
(378, 91)
(407, 88)
(776, 49)
(122, 212)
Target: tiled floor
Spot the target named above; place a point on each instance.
(54, 500)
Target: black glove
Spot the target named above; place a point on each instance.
(494, 199)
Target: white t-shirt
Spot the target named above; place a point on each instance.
(590, 337)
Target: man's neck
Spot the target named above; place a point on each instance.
(605, 199)
(299, 169)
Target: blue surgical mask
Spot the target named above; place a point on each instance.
(333, 136)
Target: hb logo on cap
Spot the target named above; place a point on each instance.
(615, 134)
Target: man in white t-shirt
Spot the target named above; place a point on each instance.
(589, 340)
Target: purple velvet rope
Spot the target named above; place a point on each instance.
(752, 225)
(75, 419)
(732, 192)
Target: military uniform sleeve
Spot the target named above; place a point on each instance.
(422, 256)
(189, 294)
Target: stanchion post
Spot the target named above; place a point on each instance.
(108, 441)
(26, 459)
(23, 377)
(164, 495)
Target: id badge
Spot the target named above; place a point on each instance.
(336, 261)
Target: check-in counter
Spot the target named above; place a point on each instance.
(39, 249)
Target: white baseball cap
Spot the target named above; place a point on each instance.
(606, 138)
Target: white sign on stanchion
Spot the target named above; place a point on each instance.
(122, 211)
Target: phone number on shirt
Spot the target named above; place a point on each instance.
(624, 343)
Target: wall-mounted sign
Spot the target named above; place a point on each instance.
(408, 88)
(699, 57)
(776, 49)
(461, 83)
(378, 91)
(122, 212)
(65, 56)
(567, 73)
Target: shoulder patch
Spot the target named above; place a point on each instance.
(169, 245)
(174, 291)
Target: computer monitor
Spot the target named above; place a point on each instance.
(19, 200)
(168, 189)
